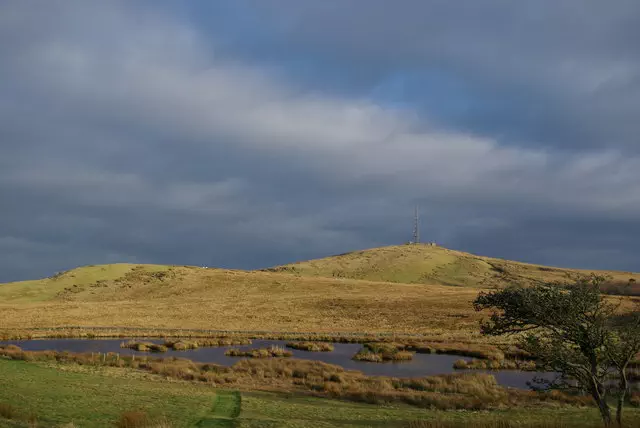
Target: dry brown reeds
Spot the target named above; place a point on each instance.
(186, 344)
(144, 346)
(7, 411)
(270, 352)
(378, 352)
(476, 364)
(133, 419)
(484, 351)
(311, 346)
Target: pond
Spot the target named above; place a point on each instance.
(421, 365)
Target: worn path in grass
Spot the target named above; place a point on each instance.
(225, 412)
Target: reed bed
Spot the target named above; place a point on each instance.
(476, 364)
(379, 352)
(311, 346)
(270, 352)
(142, 346)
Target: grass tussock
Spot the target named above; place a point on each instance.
(270, 352)
(473, 350)
(133, 419)
(186, 344)
(144, 346)
(140, 419)
(311, 346)
(476, 364)
(379, 352)
(366, 355)
(7, 411)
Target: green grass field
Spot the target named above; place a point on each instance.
(96, 397)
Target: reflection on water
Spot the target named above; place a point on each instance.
(421, 365)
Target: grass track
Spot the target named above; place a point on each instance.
(226, 409)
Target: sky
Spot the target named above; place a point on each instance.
(250, 133)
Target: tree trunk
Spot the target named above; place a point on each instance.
(623, 386)
(601, 400)
(605, 411)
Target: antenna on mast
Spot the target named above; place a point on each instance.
(416, 226)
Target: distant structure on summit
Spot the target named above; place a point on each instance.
(416, 229)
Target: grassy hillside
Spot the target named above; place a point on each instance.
(191, 297)
(41, 290)
(402, 289)
(425, 264)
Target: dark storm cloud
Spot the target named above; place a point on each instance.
(556, 73)
(309, 128)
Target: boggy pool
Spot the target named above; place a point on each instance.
(421, 365)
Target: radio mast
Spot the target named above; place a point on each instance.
(416, 226)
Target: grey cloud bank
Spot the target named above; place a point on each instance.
(134, 134)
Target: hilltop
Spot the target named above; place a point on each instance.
(427, 264)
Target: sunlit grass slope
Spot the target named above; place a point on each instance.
(197, 298)
(426, 264)
(401, 289)
(40, 290)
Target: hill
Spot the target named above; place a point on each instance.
(403, 289)
(159, 297)
(426, 264)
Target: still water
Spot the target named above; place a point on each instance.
(421, 365)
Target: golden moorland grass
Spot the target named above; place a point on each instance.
(157, 298)
(216, 299)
